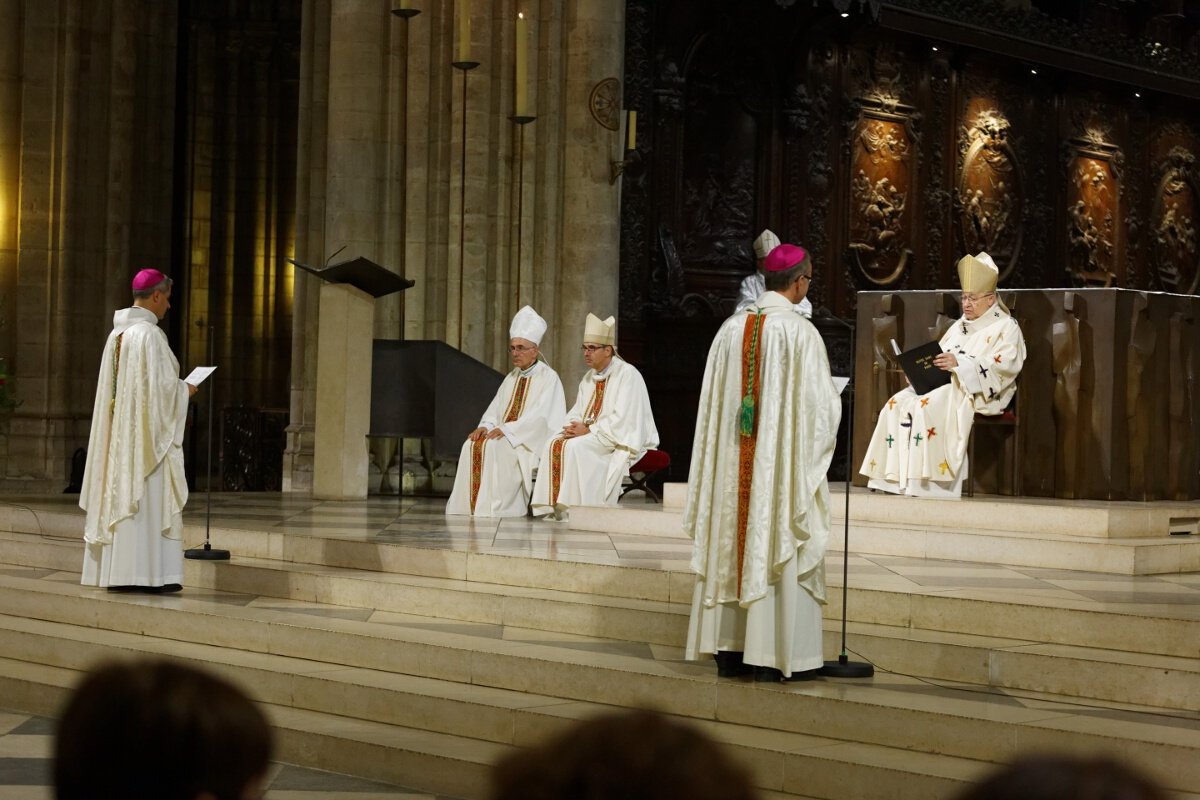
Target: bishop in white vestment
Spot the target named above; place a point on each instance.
(754, 285)
(497, 462)
(608, 429)
(919, 446)
(757, 500)
(134, 487)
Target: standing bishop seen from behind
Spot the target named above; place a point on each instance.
(919, 446)
(496, 465)
(134, 488)
(757, 501)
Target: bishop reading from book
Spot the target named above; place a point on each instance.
(920, 442)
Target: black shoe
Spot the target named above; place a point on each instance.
(806, 675)
(164, 589)
(729, 664)
(122, 589)
(768, 675)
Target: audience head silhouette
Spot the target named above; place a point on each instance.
(163, 730)
(639, 755)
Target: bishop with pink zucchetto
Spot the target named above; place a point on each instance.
(757, 502)
(134, 487)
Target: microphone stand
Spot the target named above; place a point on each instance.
(844, 667)
(208, 552)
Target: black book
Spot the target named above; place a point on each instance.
(918, 365)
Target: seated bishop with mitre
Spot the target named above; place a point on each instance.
(497, 462)
(919, 446)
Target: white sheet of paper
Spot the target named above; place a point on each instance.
(840, 383)
(199, 375)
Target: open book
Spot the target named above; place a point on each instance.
(918, 366)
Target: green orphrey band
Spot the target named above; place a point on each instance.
(746, 412)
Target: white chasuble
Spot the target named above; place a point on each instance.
(134, 488)
(495, 476)
(920, 441)
(757, 500)
(587, 470)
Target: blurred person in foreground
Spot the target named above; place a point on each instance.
(161, 730)
(631, 755)
(1063, 777)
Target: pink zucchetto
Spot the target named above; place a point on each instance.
(784, 257)
(147, 279)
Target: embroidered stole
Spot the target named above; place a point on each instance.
(748, 429)
(556, 447)
(516, 405)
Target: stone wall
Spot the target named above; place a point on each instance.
(86, 127)
(381, 173)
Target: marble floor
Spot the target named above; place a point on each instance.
(25, 740)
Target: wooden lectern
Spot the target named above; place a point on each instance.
(343, 413)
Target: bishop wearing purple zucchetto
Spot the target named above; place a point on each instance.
(134, 488)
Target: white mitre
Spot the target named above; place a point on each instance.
(600, 331)
(765, 243)
(527, 325)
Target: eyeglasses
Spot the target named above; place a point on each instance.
(974, 298)
(519, 348)
(591, 348)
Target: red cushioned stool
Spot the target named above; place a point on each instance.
(649, 465)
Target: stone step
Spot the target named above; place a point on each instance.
(897, 631)
(391, 727)
(878, 528)
(889, 710)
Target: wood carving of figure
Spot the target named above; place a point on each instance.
(1067, 366)
(1141, 348)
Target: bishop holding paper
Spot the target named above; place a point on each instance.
(919, 446)
(134, 487)
(497, 462)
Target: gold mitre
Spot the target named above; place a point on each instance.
(978, 274)
(599, 331)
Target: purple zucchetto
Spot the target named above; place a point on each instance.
(784, 257)
(147, 279)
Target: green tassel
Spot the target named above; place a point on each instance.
(746, 416)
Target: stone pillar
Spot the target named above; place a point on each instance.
(343, 393)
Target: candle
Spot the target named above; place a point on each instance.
(631, 132)
(522, 68)
(464, 31)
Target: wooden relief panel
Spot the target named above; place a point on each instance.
(1093, 210)
(1176, 206)
(991, 192)
(882, 182)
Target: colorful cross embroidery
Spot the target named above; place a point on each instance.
(988, 340)
(872, 463)
(991, 393)
(944, 467)
(924, 402)
(917, 438)
(996, 359)
(932, 432)
(889, 440)
(982, 371)
(891, 403)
